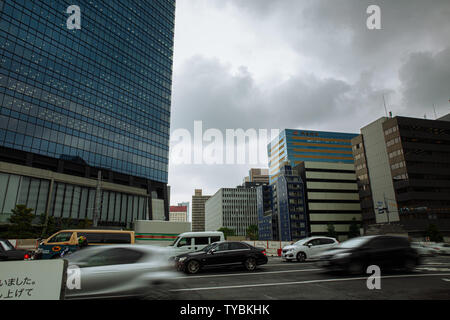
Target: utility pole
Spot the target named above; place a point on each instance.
(98, 200)
(386, 207)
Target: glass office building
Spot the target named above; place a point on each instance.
(99, 96)
(295, 146)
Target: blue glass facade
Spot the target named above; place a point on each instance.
(264, 207)
(101, 94)
(291, 205)
(296, 146)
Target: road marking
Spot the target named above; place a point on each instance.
(246, 274)
(308, 282)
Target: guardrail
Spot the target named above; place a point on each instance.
(26, 244)
(273, 248)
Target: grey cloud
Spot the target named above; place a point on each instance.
(335, 32)
(425, 81)
(209, 91)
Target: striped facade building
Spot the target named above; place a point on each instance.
(324, 162)
(296, 146)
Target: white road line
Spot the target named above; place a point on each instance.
(309, 281)
(245, 274)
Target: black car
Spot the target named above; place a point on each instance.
(355, 255)
(9, 253)
(220, 254)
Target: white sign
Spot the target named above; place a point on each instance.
(33, 280)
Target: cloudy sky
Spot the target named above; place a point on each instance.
(300, 64)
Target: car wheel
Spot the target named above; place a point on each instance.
(355, 268)
(193, 266)
(301, 257)
(250, 264)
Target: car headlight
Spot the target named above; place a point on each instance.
(341, 255)
(182, 259)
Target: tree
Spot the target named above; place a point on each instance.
(21, 223)
(434, 234)
(353, 230)
(50, 228)
(252, 232)
(331, 231)
(227, 232)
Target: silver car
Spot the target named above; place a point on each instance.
(121, 271)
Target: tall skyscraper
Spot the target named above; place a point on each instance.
(74, 102)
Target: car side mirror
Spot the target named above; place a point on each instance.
(309, 245)
(212, 251)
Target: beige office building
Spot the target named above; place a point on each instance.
(198, 210)
(332, 196)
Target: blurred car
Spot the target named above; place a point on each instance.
(442, 248)
(307, 248)
(424, 249)
(9, 253)
(122, 271)
(355, 255)
(220, 254)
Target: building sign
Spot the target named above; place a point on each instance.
(308, 134)
(33, 280)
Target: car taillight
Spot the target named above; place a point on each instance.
(263, 252)
(26, 256)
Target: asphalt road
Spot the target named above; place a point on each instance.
(279, 280)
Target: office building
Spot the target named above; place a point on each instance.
(178, 213)
(74, 103)
(332, 196)
(406, 165)
(267, 219)
(290, 183)
(232, 208)
(198, 211)
(186, 204)
(295, 146)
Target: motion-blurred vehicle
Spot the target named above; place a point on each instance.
(221, 254)
(67, 240)
(355, 255)
(442, 248)
(424, 249)
(9, 253)
(122, 271)
(307, 248)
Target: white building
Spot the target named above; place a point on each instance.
(233, 208)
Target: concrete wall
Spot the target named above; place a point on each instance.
(379, 170)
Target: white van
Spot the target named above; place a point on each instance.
(195, 241)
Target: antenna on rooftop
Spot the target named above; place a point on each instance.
(384, 102)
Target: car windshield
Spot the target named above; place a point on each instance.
(353, 243)
(300, 242)
(6, 245)
(209, 247)
(175, 241)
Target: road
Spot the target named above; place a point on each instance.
(294, 281)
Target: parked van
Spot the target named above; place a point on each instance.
(68, 239)
(195, 241)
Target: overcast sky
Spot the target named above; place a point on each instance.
(301, 64)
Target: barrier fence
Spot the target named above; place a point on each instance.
(273, 248)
